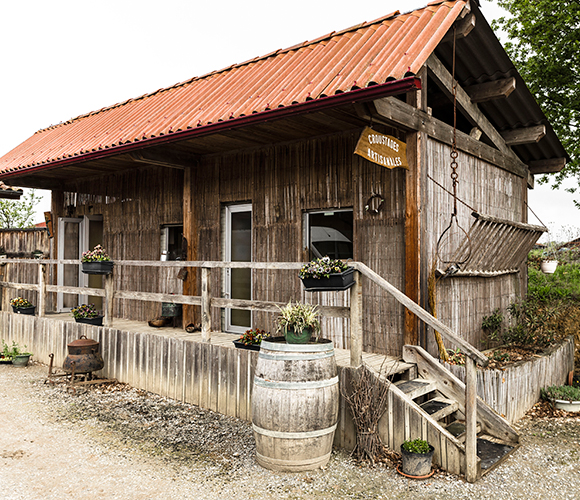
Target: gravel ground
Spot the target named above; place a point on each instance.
(117, 442)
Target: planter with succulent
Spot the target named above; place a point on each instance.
(299, 323)
(97, 262)
(326, 274)
(22, 306)
(251, 339)
(563, 397)
(86, 313)
(14, 354)
(417, 459)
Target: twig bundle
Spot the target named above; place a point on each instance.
(367, 401)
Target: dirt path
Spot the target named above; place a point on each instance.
(128, 444)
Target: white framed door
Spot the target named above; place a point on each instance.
(75, 236)
(69, 247)
(238, 248)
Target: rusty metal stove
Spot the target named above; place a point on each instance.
(83, 357)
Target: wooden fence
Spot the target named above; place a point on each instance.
(514, 390)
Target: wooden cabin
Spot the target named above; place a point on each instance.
(256, 162)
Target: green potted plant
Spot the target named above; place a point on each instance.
(251, 339)
(22, 306)
(562, 397)
(86, 313)
(299, 323)
(326, 274)
(15, 355)
(97, 261)
(417, 458)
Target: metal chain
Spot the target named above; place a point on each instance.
(454, 154)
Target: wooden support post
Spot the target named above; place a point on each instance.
(108, 302)
(205, 305)
(470, 420)
(42, 290)
(190, 233)
(356, 328)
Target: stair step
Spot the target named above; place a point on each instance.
(457, 430)
(417, 387)
(491, 454)
(440, 407)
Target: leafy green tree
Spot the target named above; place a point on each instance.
(544, 43)
(14, 214)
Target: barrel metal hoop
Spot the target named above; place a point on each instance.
(294, 435)
(280, 346)
(316, 384)
(296, 356)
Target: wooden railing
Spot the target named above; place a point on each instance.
(206, 301)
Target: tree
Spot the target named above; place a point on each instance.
(545, 47)
(19, 213)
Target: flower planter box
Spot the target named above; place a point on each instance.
(21, 360)
(24, 310)
(249, 347)
(98, 321)
(334, 283)
(549, 266)
(99, 267)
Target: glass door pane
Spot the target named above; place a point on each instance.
(239, 249)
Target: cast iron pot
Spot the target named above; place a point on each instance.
(84, 354)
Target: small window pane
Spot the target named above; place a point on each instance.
(330, 234)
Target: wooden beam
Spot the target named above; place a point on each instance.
(444, 81)
(190, 233)
(401, 114)
(528, 135)
(547, 166)
(462, 28)
(164, 158)
(499, 89)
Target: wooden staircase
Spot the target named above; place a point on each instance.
(431, 405)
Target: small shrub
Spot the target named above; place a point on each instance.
(562, 392)
(492, 324)
(416, 446)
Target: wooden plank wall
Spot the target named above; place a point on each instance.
(514, 390)
(284, 181)
(462, 301)
(134, 204)
(20, 243)
(216, 377)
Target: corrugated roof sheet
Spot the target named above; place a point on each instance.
(356, 58)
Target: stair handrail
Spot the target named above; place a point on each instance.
(476, 355)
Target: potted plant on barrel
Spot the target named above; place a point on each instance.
(97, 261)
(22, 306)
(299, 323)
(326, 274)
(86, 313)
(417, 458)
(251, 339)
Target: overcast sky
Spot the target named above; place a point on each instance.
(64, 58)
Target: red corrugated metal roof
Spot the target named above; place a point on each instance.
(356, 58)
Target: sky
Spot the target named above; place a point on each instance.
(64, 58)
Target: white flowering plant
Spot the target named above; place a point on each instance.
(322, 268)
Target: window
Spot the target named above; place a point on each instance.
(172, 242)
(330, 233)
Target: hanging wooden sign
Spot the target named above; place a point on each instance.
(381, 149)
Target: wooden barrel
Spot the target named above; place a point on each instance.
(295, 405)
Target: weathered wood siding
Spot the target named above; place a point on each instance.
(463, 302)
(281, 183)
(134, 205)
(20, 243)
(514, 390)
